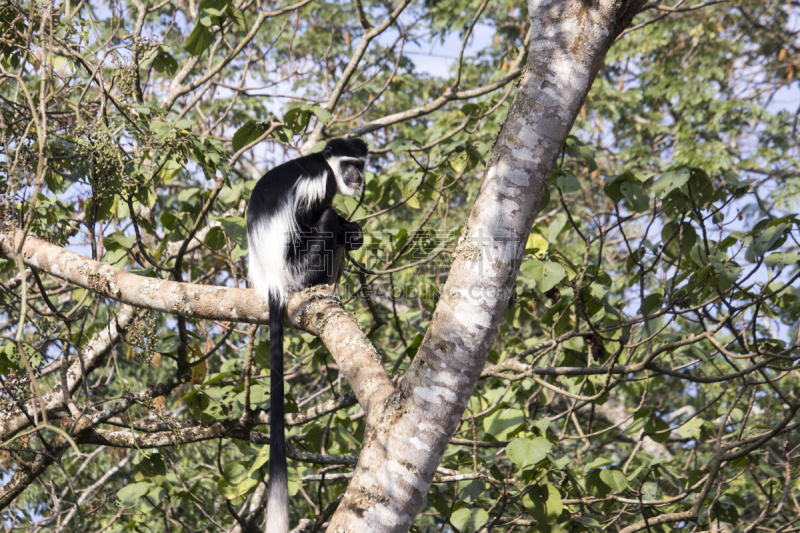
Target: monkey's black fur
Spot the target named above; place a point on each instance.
(297, 240)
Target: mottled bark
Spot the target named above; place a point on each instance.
(184, 299)
(405, 442)
(22, 478)
(318, 312)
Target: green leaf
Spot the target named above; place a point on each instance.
(650, 491)
(232, 491)
(470, 491)
(235, 229)
(439, 501)
(700, 187)
(261, 354)
(401, 145)
(657, 429)
(536, 244)
(546, 274)
(615, 479)
(588, 522)
(118, 240)
(152, 469)
(168, 345)
(169, 220)
(635, 196)
(409, 186)
(260, 460)
(544, 201)
(678, 239)
(527, 452)
(413, 347)
(213, 8)
(595, 484)
(691, 429)
(504, 423)
(636, 427)
(555, 227)
(229, 195)
(164, 63)
(669, 181)
(736, 498)
(469, 520)
(130, 494)
(567, 182)
(297, 118)
(731, 180)
(470, 109)
(54, 181)
(587, 154)
(59, 62)
(200, 39)
(544, 503)
(582, 151)
(543, 424)
(779, 260)
(676, 204)
(237, 16)
(465, 158)
(238, 252)
(322, 114)
(729, 269)
(597, 463)
(724, 510)
(612, 187)
(249, 132)
(215, 238)
(764, 242)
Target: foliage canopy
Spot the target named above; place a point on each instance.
(649, 352)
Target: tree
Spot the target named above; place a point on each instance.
(582, 318)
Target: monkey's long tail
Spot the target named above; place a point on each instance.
(278, 502)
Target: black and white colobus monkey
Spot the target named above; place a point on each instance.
(297, 240)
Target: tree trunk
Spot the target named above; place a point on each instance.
(404, 443)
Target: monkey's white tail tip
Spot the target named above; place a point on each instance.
(278, 506)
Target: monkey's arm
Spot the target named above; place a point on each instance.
(350, 234)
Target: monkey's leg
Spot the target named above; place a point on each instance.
(320, 255)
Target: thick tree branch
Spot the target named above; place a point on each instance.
(320, 312)
(569, 40)
(316, 310)
(23, 477)
(183, 299)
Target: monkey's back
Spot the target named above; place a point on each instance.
(283, 203)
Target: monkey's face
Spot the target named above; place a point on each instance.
(353, 174)
(349, 174)
(346, 157)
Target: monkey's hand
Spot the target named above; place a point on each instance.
(352, 237)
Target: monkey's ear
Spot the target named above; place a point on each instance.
(327, 151)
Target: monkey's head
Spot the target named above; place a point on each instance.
(347, 158)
